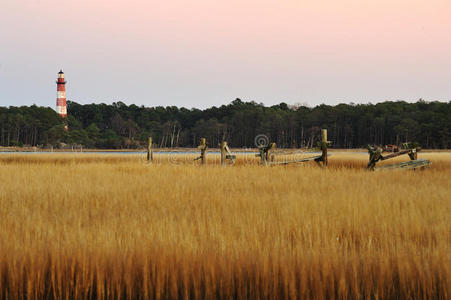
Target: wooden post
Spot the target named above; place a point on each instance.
(324, 135)
(229, 154)
(266, 153)
(203, 150)
(324, 146)
(375, 155)
(262, 155)
(149, 150)
(223, 152)
(269, 152)
(414, 154)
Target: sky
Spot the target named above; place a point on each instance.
(203, 53)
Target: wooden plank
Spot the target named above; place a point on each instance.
(402, 152)
(226, 154)
(307, 159)
(229, 154)
(288, 152)
(408, 165)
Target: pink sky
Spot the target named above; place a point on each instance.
(204, 52)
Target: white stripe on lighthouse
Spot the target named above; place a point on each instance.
(62, 110)
(61, 94)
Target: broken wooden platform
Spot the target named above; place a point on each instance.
(407, 165)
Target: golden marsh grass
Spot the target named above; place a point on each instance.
(109, 226)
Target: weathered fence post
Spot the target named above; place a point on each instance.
(375, 155)
(266, 153)
(414, 154)
(223, 152)
(269, 153)
(149, 150)
(262, 155)
(324, 146)
(226, 154)
(203, 150)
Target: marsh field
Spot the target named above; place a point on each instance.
(86, 226)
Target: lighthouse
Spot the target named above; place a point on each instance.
(61, 107)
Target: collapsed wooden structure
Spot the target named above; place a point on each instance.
(226, 154)
(410, 149)
(268, 152)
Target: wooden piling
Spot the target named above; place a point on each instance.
(229, 154)
(324, 146)
(269, 152)
(324, 135)
(149, 150)
(414, 155)
(223, 152)
(266, 153)
(203, 150)
(262, 154)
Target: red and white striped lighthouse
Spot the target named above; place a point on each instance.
(61, 107)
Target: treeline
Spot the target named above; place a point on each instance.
(128, 126)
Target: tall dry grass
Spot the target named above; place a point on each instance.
(89, 226)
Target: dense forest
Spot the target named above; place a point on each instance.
(128, 126)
